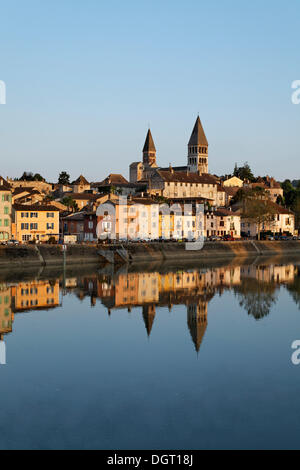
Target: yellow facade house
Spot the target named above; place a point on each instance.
(233, 182)
(5, 210)
(35, 223)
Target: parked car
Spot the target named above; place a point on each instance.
(228, 238)
(215, 238)
(12, 242)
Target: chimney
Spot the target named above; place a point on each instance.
(171, 169)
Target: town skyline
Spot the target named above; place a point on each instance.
(163, 163)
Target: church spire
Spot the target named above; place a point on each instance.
(149, 151)
(149, 143)
(198, 136)
(198, 150)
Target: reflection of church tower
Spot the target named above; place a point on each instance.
(149, 152)
(197, 321)
(149, 312)
(198, 150)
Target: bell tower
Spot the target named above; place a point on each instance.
(149, 151)
(198, 150)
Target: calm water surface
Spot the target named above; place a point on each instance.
(189, 359)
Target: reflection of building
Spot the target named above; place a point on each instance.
(126, 292)
(148, 288)
(197, 321)
(149, 312)
(194, 288)
(269, 273)
(36, 295)
(6, 314)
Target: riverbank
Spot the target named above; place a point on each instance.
(28, 256)
(133, 253)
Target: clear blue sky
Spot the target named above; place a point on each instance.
(85, 78)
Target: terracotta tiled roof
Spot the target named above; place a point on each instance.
(81, 180)
(224, 213)
(231, 191)
(75, 216)
(276, 207)
(35, 208)
(183, 177)
(83, 196)
(114, 179)
(20, 190)
(144, 200)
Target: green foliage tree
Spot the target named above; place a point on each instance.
(64, 178)
(256, 207)
(38, 177)
(292, 199)
(69, 202)
(280, 200)
(244, 172)
(29, 176)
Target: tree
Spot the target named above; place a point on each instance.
(289, 193)
(296, 209)
(64, 178)
(69, 202)
(29, 176)
(256, 207)
(244, 172)
(256, 297)
(280, 200)
(294, 290)
(38, 177)
(48, 198)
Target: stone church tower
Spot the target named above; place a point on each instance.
(144, 170)
(198, 150)
(149, 152)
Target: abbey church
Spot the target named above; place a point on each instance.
(190, 181)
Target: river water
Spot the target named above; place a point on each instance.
(196, 358)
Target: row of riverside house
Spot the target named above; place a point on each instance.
(82, 211)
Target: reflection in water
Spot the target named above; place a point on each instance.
(254, 286)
